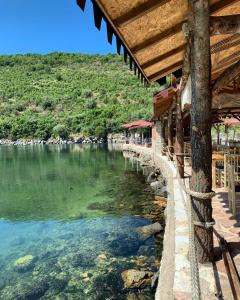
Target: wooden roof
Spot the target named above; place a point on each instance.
(150, 32)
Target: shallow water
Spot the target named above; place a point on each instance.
(71, 213)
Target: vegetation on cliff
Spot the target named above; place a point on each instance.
(60, 94)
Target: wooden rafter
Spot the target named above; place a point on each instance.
(166, 71)
(227, 76)
(138, 12)
(227, 43)
(157, 38)
(218, 6)
(161, 57)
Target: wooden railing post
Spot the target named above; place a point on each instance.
(201, 144)
(179, 144)
(170, 134)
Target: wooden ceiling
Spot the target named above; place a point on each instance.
(150, 34)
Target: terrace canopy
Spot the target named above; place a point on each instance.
(138, 124)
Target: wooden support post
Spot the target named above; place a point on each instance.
(201, 180)
(170, 134)
(163, 136)
(179, 144)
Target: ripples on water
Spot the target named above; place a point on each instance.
(68, 219)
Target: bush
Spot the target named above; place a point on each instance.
(91, 104)
(86, 93)
(61, 131)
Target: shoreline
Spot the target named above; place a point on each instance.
(51, 141)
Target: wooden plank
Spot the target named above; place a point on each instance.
(163, 56)
(81, 4)
(227, 76)
(110, 32)
(97, 15)
(139, 11)
(227, 43)
(165, 71)
(220, 5)
(158, 38)
(119, 45)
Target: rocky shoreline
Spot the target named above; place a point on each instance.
(54, 141)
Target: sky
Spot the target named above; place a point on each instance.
(43, 26)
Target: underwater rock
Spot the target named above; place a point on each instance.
(26, 291)
(85, 260)
(24, 263)
(58, 283)
(135, 278)
(148, 230)
(124, 246)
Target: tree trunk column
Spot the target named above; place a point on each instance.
(179, 144)
(201, 180)
(170, 135)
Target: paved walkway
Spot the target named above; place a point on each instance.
(228, 227)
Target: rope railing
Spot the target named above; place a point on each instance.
(194, 270)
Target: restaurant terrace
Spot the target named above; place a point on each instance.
(197, 43)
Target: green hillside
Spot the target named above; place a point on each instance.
(61, 94)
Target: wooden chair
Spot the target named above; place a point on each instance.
(233, 189)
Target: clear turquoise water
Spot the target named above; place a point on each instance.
(73, 211)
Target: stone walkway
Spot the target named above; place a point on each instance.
(228, 227)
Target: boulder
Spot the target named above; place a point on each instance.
(24, 263)
(135, 278)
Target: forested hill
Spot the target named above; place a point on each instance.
(61, 94)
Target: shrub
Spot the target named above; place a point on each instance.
(61, 131)
(86, 93)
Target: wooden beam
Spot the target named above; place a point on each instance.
(227, 43)
(139, 11)
(224, 64)
(177, 28)
(163, 56)
(220, 5)
(227, 76)
(81, 4)
(201, 144)
(158, 38)
(225, 25)
(165, 71)
(97, 15)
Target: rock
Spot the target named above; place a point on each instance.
(27, 291)
(85, 260)
(135, 278)
(160, 201)
(24, 264)
(124, 246)
(151, 177)
(149, 230)
(102, 257)
(155, 185)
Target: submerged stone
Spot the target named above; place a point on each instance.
(124, 246)
(24, 263)
(135, 278)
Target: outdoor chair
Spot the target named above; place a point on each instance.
(233, 189)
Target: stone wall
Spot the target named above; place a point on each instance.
(175, 272)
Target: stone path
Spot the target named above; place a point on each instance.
(228, 227)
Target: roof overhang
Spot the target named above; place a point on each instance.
(150, 33)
